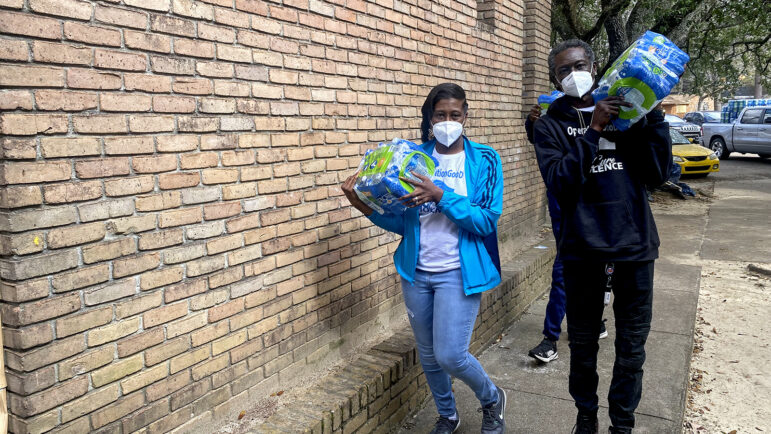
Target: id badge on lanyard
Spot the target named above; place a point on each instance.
(609, 269)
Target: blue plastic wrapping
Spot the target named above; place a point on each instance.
(644, 74)
(545, 100)
(378, 184)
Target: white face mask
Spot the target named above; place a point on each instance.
(447, 132)
(578, 83)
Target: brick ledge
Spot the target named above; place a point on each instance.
(382, 386)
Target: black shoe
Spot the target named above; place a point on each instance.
(445, 425)
(619, 430)
(492, 415)
(603, 330)
(586, 424)
(546, 351)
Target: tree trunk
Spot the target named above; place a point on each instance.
(758, 85)
(617, 40)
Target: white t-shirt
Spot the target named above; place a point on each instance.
(438, 234)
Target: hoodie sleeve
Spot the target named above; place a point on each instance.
(390, 222)
(480, 216)
(650, 154)
(529, 129)
(564, 168)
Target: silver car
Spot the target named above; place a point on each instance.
(691, 131)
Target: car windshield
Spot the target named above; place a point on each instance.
(677, 138)
(672, 119)
(711, 116)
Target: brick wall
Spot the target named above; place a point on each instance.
(172, 232)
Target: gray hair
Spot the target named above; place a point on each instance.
(565, 45)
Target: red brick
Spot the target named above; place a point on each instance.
(221, 210)
(171, 65)
(80, 10)
(12, 148)
(136, 264)
(193, 9)
(177, 143)
(99, 124)
(179, 217)
(147, 83)
(139, 342)
(128, 186)
(168, 181)
(157, 240)
(53, 397)
(158, 278)
(29, 25)
(194, 48)
(91, 34)
(164, 314)
(184, 290)
(157, 202)
(109, 250)
(102, 168)
(216, 33)
(172, 25)
(72, 192)
(154, 164)
(119, 60)
(89, 79)
(121, 145)
(121, 17)
(30, 76)
(151, 124)
(65, 101)
(193, 86)
(198, 160)
(170, 104)
(215, 69)
(110, 102)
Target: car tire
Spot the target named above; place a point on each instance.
(717, 145)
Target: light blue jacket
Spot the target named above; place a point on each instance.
(476, 217)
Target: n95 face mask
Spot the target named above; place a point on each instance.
(578, 83)
(447, 132)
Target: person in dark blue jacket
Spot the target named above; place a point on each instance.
(608, 237)
(546, 351)
(448, 255)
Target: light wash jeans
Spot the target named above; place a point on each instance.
(442, 318)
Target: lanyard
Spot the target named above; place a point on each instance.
(609, 269)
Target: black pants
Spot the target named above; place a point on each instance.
(632, 285)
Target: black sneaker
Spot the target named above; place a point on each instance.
(603, 330)
(445, 425)
(586, 424)
(546, 351)
(492, 415)
(619, 430)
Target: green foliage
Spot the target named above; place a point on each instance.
(728, 40)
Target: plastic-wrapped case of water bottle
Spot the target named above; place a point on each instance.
(545, 100)
(378, 184)
(644, 74)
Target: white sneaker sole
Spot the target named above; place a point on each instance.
(554, 356)
(604, 334)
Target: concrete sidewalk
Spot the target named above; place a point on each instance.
(538, 398)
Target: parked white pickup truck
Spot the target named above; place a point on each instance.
(750, 132)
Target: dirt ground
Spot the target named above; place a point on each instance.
(730, 387)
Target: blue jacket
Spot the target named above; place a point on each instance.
(476, 217)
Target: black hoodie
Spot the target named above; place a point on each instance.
(599, 180)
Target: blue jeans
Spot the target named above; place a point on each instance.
(555, 308)
(442, 317)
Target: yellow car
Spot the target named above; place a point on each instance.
(693, 159)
